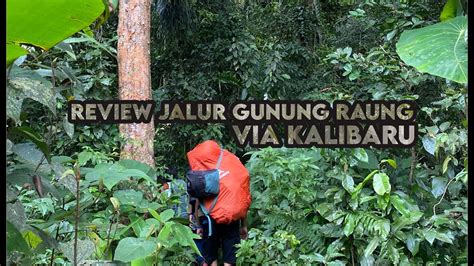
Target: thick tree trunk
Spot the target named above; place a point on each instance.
(133, 51)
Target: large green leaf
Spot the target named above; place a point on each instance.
(166, 215)
(30, 154)
(132, 164)
(129, 197)
(15, 240)
(25, 83)
(144, 261)
(349, 225)
(381, 183)
(131, 248)
(439, 49)
(30, 134)
(16, 212)
(14, 51)
(111, 174)
(373, 244)
(46, 23)
(451, 9)
(184, 236)
(85, 248)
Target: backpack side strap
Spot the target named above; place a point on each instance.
(206, 213)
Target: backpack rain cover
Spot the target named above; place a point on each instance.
(234, 197)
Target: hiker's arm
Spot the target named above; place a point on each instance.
(243, 221)
(198, 222)
(196, 212)
(243, 227)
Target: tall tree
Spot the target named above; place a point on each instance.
(133, 50)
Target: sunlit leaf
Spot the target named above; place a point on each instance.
(439, 49)
(46, 23)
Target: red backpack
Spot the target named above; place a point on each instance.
(234, 197)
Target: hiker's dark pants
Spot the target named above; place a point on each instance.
(225, 235)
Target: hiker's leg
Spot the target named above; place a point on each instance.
(210, 244)
(230, 238)
(214, 263)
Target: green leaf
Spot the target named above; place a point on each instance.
(68, 127)
(414, 216)
(84, 157)
(114, 4)
(46, 23)
(131, 248)
(115, 203)
(439, 49)
(155, 214)
(66, 47)
(184, 235)
(382, 201)
(150, 260)
(336, 263)
(165, 232)
(30, 134)
(9, 147)
(361, 155)
(449, 10)
(382, 226)
(14, 51)
(15, 240)
(359, 187)
(149, 227)
(391, 162)
(391, 34)
(111, 174)
(381, 183)
(323, 208)
(444, 125)
(430, 236)
(29, 153)
(16, 212)
(25, 83)
(125, 229)
(349, 225)
(166, 215)
(400, 204)
(132, 164)
(128, 197)
(373, 244)
(354, 75)
(32, 239)
(136, 173)
(372, 163)
(413, 244)
(429, 144)
(437, 186)
(446, 163)
(348, 183)
(85, 248)
(445, 237)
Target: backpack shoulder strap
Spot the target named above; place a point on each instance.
(220, 159)
(207, 213)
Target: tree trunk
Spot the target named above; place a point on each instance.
(133, 51)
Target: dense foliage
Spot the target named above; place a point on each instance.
(310, 206)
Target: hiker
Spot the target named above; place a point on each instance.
(225, 236)
(194, 228)
(186, 208)
(220, 184)
(176, 186)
